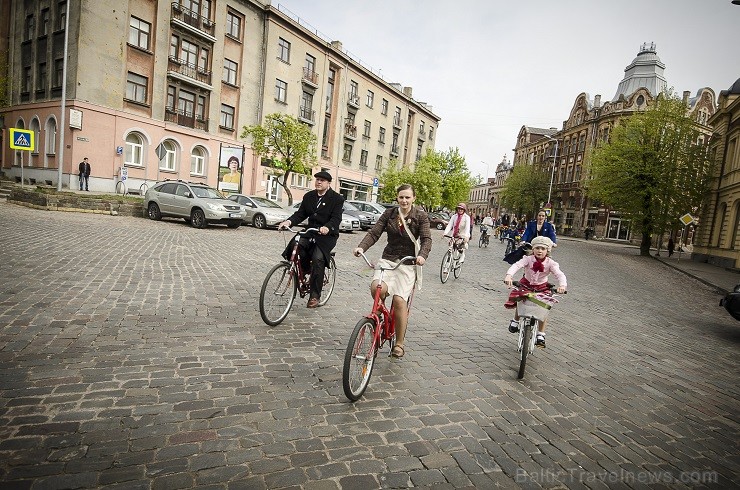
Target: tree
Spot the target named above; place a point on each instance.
(439, 179)
(525, 189)
(654, 169)
(289, 144)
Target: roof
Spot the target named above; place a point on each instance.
(645, 71)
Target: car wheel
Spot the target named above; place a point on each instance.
(440, 226)
(153, 211)
(198, 218)
(259, 222)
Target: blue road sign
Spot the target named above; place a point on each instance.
(376, 182)
(22, 139)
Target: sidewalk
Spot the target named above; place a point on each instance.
(720, 278)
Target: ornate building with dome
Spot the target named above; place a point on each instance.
(589, 122)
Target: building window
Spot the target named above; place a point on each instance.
(421, 127)
(381, 135)
(169, 162)
(138, 33)
(203, 60)
(227, 116)
(310, 64)
(418, 151)
(298, 180)
(62, 15)
(36, 128)
(174, 42)
(281, 91)
(186, 103)
(384, 107)
(230, 71)
(306, 111)
(188, 53)
(353, 89)
(200, 108)
(370, 99)
(397, 117)
(378, 162)
(29, 26)
(26, 81)
(51, 136)
(134, 150)
(233, 25)
(41, 80)
(363, 159)
(347, 156)
(171, 97)
(44, 27)
(366, 131)
(136, 88)
(284, 50)
(197, 161)
(58, 73)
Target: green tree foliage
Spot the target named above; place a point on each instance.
(4, 80)
(440, 179)
(289, 143)
(654, 169)
(525, 189)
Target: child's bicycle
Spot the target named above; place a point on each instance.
(484, 237)
(512, 242)
(288, 278)
(532, 308)
(451, 259)
(369, 336)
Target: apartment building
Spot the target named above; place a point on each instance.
(158, 90)
(718, 236)
(589, 122)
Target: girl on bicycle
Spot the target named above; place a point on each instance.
(460, 226)
(408, 231)
(537, 268)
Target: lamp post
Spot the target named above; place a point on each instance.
(554, 161)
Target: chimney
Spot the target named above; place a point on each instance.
(336, 45)
(686, 94)
(407, 91)
(597, 101)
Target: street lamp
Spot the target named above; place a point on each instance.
(554, 161)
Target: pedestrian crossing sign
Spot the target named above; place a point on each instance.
(22, 139)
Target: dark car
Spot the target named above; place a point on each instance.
(437, 221)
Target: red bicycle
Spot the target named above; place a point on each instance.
(370, 334)
(288, 278)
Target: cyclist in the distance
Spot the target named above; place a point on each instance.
(408, 231)
(537, 268)
(459, 227)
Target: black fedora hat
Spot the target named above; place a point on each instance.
(323, 175)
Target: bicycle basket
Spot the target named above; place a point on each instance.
(535, 305)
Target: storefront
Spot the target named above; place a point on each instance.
(618, 229)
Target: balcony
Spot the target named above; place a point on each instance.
(182, 67)
(184, 118)
(310, 78)
(192, 19)
(307, 115)
(397, 122)
(422, 135)
(353, 100)
(350, 132)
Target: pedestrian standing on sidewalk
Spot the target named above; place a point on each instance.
(85, 173)
(671, 246)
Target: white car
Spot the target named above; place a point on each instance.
(369, 207)
(349, 223)
(261, 212)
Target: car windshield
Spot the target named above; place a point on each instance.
(266, 203)
(207, 193)
(348, 206)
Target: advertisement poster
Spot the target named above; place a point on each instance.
(230, 169)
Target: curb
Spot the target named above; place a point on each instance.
(718, 289)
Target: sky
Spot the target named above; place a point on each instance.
(489, 67)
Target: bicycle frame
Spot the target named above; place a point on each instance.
(296, 269)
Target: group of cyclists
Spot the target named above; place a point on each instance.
(408, 234)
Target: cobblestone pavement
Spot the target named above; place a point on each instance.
(132, 355)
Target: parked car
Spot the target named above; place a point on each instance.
(369, 207)
(437, 221)
(261, 212)
(367, 220)
(389, 204)
(196, 203)
(349, 223)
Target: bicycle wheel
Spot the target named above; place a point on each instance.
(457, 265)
(526, 336)
(444, 271)
(120, 187)
(359, 359)
(330, 276)
(277, 294)
(480, 241)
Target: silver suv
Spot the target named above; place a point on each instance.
(197, 204)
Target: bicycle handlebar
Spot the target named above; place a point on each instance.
(400, 262)
(299, 232)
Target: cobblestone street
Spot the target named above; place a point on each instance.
(132, 355)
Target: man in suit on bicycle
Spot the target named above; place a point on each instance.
(323, 208)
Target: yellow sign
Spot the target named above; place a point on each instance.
(22, 139)
(686, 219)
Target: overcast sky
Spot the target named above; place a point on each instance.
(488, 67)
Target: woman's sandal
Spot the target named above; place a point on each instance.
(395, 353)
